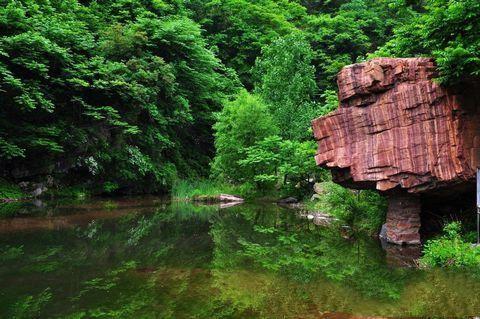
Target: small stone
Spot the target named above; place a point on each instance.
(318, 188)
(383, 232)
(38, 190)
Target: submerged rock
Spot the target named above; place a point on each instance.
(402, 256)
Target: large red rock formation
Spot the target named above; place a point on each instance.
(396, 129)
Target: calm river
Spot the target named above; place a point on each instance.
(145, 258)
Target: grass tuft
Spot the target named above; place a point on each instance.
(189, 189)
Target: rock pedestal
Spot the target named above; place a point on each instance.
(396, 130)
(403, 219)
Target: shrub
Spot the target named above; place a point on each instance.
(110, 187)
(450, 250)
(362, 210)
(10, 191)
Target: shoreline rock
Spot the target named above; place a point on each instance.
(220, 198)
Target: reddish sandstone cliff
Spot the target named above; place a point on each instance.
(396, 129)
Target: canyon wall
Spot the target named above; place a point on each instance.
(399, 132)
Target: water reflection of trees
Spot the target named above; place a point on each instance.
(92, 263)
(274, 239)
(184, 261)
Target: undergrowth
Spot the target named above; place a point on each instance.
(10, 191)
(189, 189)
(451, 250)
(362, 210)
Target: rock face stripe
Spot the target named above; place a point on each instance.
(396, 128)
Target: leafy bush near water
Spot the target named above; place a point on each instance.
(251, 150)
(451, 250)
(362, 210)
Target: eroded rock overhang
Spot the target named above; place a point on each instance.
(398, 131)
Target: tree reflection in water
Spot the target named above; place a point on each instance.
(144, 258)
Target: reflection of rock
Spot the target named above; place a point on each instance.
(38, 203)
(402, 256)
(230, 204)
(318, 218)
(217, 204)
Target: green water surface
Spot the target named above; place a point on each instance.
(145, 258)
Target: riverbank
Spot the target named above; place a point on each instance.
(211, 190)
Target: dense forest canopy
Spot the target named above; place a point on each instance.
(125, 94)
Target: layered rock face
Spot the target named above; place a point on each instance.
(398, 131)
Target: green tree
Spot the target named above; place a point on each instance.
(238, 29)
(107, 92)
(261, 162)
(348, 33)
(271, 162)
(240, 124)
(446, 30)
(287, 83)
